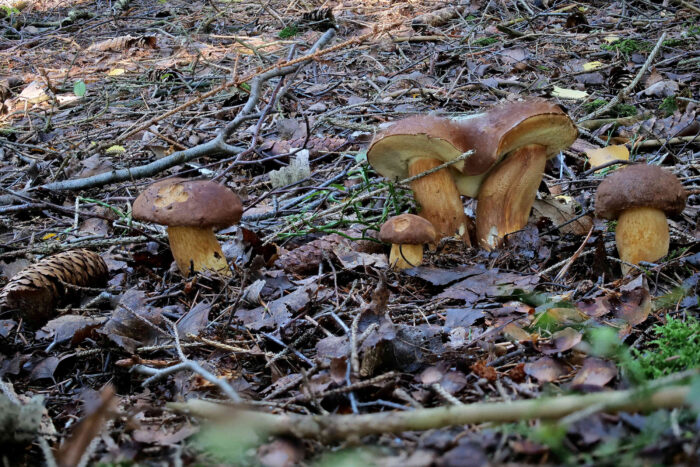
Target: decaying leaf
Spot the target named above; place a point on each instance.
(595, 372)
(561, 209)
(561, 341)
(134, 323)
(306, 258)
(545, 369)
(481, 369)
(491, 283)
(36, 290)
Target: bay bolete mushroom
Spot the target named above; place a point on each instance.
(512, 143)
(191, 209)
(417, 144)
(640, 197)
(407, 234)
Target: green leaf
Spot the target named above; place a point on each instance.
(79, 88)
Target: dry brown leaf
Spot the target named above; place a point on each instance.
(483, 371)
(561, 209)
(545, 369)
(595, 372)
(561, 341)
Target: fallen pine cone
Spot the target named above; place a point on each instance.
(34, 292)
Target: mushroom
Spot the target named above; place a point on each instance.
(407, 234)
(191, 209)
(640, 197)
(415, 145)
(512, 143)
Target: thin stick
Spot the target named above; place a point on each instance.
(626, 91)
(367, 195)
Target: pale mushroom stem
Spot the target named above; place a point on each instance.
(641, 235)
(507, 194)
(405, 256)
(439, 199)
(197, 248)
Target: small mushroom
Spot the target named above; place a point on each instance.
(191, 209)
(640, 197)
(415, 145)
(407, 234)
(512, 143)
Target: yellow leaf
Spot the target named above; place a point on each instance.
(607, 154)
(48, 236)
(568, 93)
(592, 66)
(610, 39)
(115, 150)
(116, 72)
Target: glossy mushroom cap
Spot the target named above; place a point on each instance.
(407, 229)
(179, 202)
(507, 127)
(416, 137)
(639, 185)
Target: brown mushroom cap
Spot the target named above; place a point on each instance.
(407, 229)
(511, 125)
(639, 185)
(422, 136)
(179, 202)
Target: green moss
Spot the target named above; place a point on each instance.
(289, 31)
(676, 348)
(618, 110)
(669, 106)
(627, 46)
(623, 110)
(594, 105)
(484, 41)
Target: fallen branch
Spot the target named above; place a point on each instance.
(340, 427)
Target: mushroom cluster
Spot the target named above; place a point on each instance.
(511, 144)
(640, 197)
(191, 209)
(418, 144)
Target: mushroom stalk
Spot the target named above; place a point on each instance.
(439, 199)
(196, 248)
(507, 194)
(404, 256)
(641, 235)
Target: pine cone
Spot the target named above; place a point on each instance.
(35, 291)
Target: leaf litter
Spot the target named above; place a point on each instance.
(312, 320)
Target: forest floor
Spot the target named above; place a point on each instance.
(100, 99)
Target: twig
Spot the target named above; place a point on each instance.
(216, 146)
(186, 364)
(367, 195)
(573, 258)
(626, 91)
